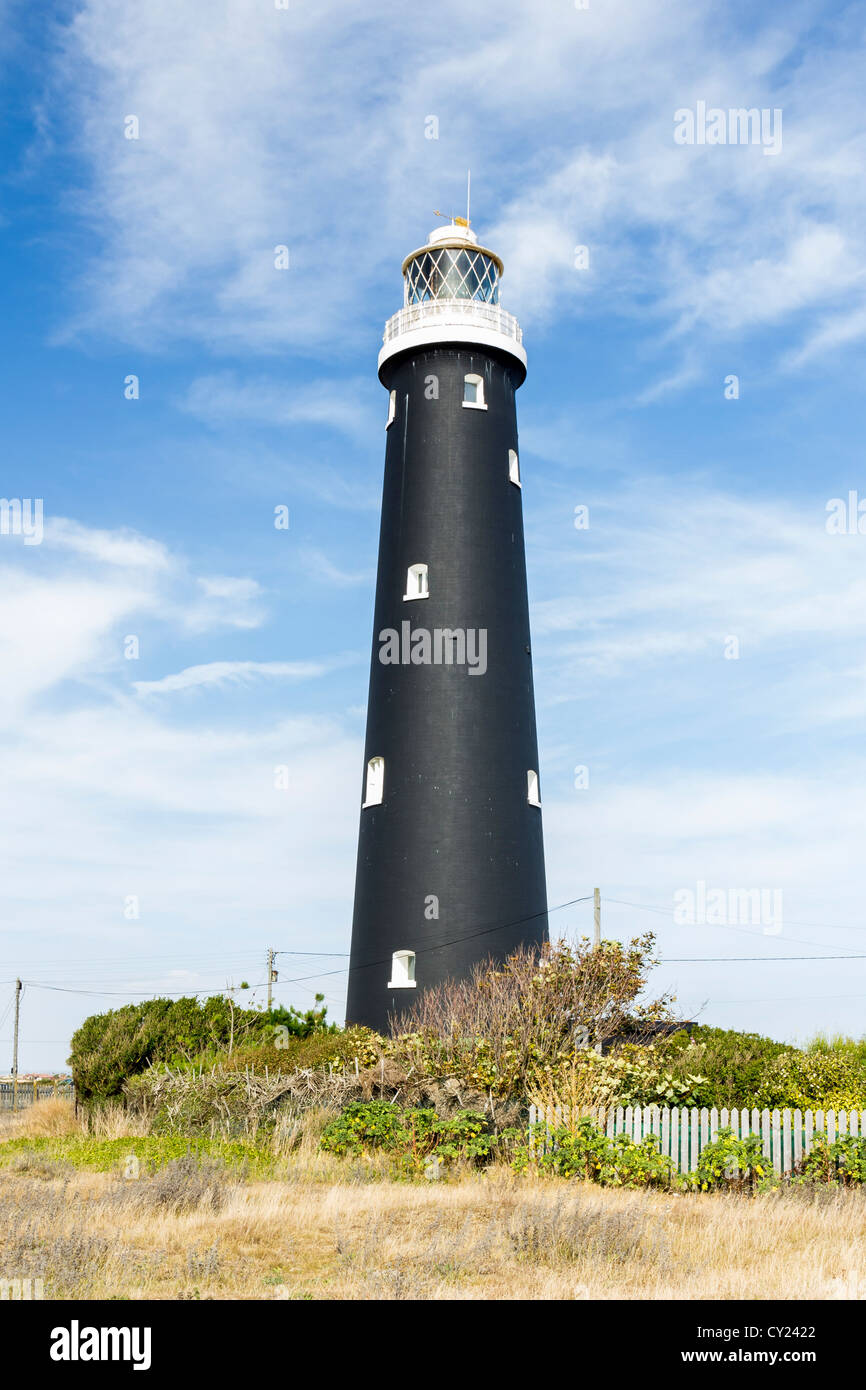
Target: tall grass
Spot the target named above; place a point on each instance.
(193, 1231)
(855, 1048)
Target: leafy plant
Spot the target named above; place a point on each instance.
(728, 1160)
(507, 1023)
(413, 1135)
(843, 1161)
(108, 1048)
(586, 1152)
(813, 1080)
(732, 1064)
(630, 1076)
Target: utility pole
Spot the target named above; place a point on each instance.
(596, 926)
(18, 988)
(271, 974)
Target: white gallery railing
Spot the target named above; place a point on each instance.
(453, 311)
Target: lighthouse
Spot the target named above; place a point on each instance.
(450, 867)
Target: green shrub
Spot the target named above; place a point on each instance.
(732, 1065)
(108, 1048)
(337, 1049)
(410, 1135)
(843, 1161)
(586, 1152)
(730, 1161)
(854, 1048)
(812, 1080)
(503, 1027)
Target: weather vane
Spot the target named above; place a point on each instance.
(459, 221)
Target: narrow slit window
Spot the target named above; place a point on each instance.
(392, 409)
(473, 392)
(402, 970)
(375, 784)
(417, 582)
(532, 788)
(514, 467)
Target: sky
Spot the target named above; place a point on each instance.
(694, 382)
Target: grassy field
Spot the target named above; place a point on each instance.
(243, 1221)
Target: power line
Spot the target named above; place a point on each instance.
(788, 998)
(429, 946)
(124, 994)
(438, 945)
(237, 963)
(767, 960)
(745, 931)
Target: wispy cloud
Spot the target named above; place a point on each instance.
(124, 548)
(221, 673)
(317, 564)
(336, 403)
(663, 595)
(238, 153)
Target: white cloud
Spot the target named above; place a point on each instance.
(220, 673)
(110, 798)
(832, 333)
(342, 405)
(239, 152)
(124, 548)
(317, 565)
(224, 586)
(52, 630)
(666, 573)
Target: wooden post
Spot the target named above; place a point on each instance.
(18, 988)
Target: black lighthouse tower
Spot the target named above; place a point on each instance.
(450, 851)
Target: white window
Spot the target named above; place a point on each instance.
(514, 467)
(402, 970)
(473, 392)
(532, 788)
(375, 787)
(417, 585)
(392, 409)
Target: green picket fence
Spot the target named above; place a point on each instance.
(682, 1132)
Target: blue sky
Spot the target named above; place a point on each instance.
(153, 778)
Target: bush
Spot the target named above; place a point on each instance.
(586, 1152)
(813, 1080)
(410, 1135)
(843, 1161)
(729, 1161)
(332, 1049)
(732, 1064)
(630, 1076)
(509, 1023)
(108, 1048)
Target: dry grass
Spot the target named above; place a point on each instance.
(47, 1117)
(55, 1117)
(189, 1231)
(340, 1229)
